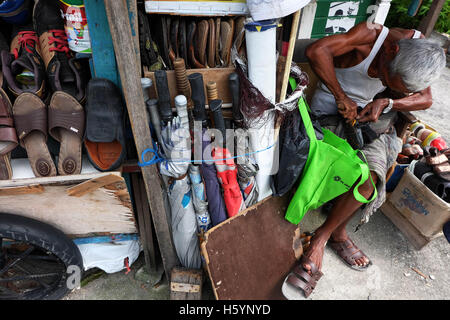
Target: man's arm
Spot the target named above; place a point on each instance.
(322, 52)
(417, 101)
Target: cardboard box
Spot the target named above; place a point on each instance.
(197, 7)
(419, 205)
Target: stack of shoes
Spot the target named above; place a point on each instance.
(434, 171)
(49, 88)
(64, 73)
(200, 42)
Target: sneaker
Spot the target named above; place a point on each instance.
(64, 73)
(22, 66)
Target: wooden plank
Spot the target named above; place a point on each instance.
(103, 58)
(100, 211)
(130, 77)
(133, 16)
(92, 185)
(407, 229)
(287, 67)
(139, 202)
(427, 24)
(249, 255)
(186, 284)
(56, 180)
(218, 75)
(33, 188)
(148, 226)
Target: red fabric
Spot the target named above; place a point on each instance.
(227, 174)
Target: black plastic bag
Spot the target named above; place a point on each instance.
(294, 149)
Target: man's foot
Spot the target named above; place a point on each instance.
(350, 253)
(315, 251)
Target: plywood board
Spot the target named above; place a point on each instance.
(248, 256)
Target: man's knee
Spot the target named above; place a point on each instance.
(367, 188)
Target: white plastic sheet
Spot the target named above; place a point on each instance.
(109, 256)
(272, 9)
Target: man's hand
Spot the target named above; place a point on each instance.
(372, 111)
(347, 108)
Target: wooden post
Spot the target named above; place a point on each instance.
(129, 71)
(426, 26)
(287, 67)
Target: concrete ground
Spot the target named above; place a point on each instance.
(391, 276)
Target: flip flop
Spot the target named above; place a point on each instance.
(226, 41)
(66, 125)
(104, 140)
(349, 253)
(8, 136)
(30, 117)
(299, 284)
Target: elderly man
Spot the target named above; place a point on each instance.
(354, 68)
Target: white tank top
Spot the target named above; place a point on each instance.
(354, 81)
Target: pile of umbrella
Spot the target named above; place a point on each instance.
(202, 192)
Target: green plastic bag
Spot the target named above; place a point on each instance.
(332, 168)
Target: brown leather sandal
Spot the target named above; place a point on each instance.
(30, 117)
(438, 161)
(349, 253)
(66, 121)
(299, 284)
(8, 136)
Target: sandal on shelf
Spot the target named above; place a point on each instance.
(8, 136)
(299, 284)
(349, 253)
(438, 161)
(30, 117)
(66, 125)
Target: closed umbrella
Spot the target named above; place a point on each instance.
(246, 164)
(225, 166)
(216, 204)
(176, 146)
(199, 199)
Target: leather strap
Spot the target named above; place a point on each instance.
(71, 120)
(34, 120)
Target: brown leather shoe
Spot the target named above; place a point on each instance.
(174, 37)
(202, 39)
(239, 33)
(190, 39)
(182, 41)
(24, 55)
(217, 41)
(212, 44)
(226, 39)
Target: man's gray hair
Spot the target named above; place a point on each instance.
(419, 62)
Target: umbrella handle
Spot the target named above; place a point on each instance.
(198, 97)
(219, 122)
(233, 82)
(162, 88)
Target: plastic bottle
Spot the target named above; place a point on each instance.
(76, 25)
